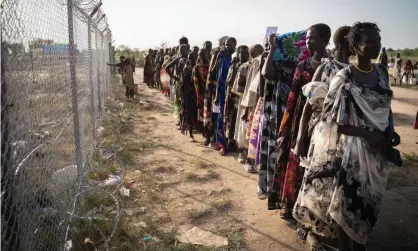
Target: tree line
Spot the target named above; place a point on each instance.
(404, 52)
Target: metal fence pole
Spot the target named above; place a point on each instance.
(78, 132)
(10, 229)
(93, 110)
(98, 72)
(102, 64)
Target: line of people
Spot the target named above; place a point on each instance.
(318, 131)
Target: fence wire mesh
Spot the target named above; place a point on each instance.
(54, 80)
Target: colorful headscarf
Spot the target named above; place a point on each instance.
(291, 46)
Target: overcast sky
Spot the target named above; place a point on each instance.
(148, 23)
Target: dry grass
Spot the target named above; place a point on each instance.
(200, 164)
(161, 180)
(213, 209)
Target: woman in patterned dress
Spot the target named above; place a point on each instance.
(200, 75)
(230, 109)
(247, 107)
(317, 39)
(286, 51)
(210, 117)
(188, 98)
(313, 216)
(354, 139)
(175, 70)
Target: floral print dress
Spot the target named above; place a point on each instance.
(315, 216)
(356, 172)
(290, 123)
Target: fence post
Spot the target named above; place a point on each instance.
(93, 110)
(9, 218)
(102, 60)
(78, 132)
(98, 72)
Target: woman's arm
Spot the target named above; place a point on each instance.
(268, 70)
(212, 66)
(169, 68)
(353, 131)
(376, 140)
(318, 73)
(291, 102)
(303, 128)
(241, 80)
(262, 79)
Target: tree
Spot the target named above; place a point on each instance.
(390, 50)
(126, 51)
(407, 52)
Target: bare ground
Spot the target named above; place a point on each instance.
(175, 183)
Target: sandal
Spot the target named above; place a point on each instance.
(302, 233)
(273, 202)
(286, 214)
(222, 152)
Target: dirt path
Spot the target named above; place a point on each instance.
(185, 184)
(405, 107)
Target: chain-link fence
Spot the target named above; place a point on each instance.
(54, 79)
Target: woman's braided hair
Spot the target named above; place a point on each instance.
(354, 36)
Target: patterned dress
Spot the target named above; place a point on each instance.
(275, 97)
(290, 123)
(200, 75)
(358, 173)
(188, 101)
(244, 79)
(291, 49)
(255, 97)
(231, 103)
(223, 63)
(313, 214)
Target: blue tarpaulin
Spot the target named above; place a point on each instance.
(61, 49)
